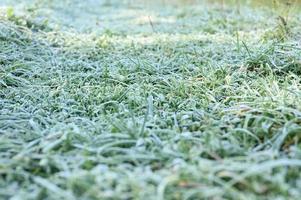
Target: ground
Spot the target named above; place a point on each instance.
(127, 100)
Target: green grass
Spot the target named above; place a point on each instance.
(138, 101)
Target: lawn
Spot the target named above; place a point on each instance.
(108, 99)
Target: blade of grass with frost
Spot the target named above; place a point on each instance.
(53, 188)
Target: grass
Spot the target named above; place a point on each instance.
(136, 101)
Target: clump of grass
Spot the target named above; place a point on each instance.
(280, 59)
(180, 113)
(26, 21)
(284, 23)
